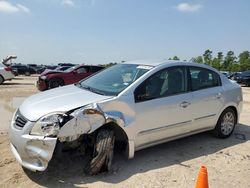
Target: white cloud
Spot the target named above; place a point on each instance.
(186, 7)
(23, 8)
(68, 3)
(7, 7)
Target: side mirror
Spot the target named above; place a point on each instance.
(74, 72)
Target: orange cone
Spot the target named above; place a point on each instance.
(202, 180)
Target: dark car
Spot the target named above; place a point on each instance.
(235, 76)
(66, 64)
(23, 69)
(53, 78)
(244, 78)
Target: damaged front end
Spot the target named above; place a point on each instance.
(34, 144)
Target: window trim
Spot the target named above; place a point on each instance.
(187, 89)
(197, 67)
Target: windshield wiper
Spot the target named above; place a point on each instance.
(90, 89)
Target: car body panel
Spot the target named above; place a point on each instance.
(156, 119)
(7, 75)
(60, 99)
(145, 123)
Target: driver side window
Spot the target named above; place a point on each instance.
(167, 82)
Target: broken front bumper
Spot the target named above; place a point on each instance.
(32, 152)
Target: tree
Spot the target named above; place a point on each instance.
(174, 58)
(217, 61)
(198, 59)
(207, 57)
(229, 61)
(220, 56)
(236, 67)
(244, 60)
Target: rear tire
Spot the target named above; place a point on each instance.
(226, 124)
(1, 79)
(103, 152)
(55, 82)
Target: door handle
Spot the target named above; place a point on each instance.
(184, 104)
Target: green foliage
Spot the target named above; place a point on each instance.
(198, 59)
(216, 63)
(244, 60)
(228, 63)
(174, 58)
(208, 57)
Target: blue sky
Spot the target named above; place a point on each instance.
(102, 31)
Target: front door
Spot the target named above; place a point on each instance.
(162, 105)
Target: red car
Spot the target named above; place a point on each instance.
(53, 79)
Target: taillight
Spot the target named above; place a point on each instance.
(7, 69)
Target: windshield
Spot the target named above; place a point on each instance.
(115, 79)
(70, 69)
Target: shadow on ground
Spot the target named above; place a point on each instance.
(16, 83)
(68, 171)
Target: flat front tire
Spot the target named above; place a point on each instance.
(103, 152)
(226, 124)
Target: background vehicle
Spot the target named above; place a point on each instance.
(23, 70)
(225, 73)
(53, 78)
(62, 68)
(244, 78)
(134, 105)
(6, 72)
(235, 76)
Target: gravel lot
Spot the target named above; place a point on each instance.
(173, 164)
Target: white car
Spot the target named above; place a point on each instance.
(134, 105)
(5, 74)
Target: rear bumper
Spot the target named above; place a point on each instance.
(8, 75)
(41, 85)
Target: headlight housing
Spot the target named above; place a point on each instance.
(49, 125)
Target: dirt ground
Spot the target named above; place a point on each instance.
(173, 164)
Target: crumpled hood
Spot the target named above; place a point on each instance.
(61, 99)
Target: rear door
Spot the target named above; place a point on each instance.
(207, 98)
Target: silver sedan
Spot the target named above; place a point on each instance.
(133, 105)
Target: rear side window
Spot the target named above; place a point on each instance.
(202, 78)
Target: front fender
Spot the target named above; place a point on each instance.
(88, 119)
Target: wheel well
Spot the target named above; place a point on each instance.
(235, 111)
(56, 78)
(121, 138)
(2, 77)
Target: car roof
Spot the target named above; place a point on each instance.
(164, 62)
(158, 62)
